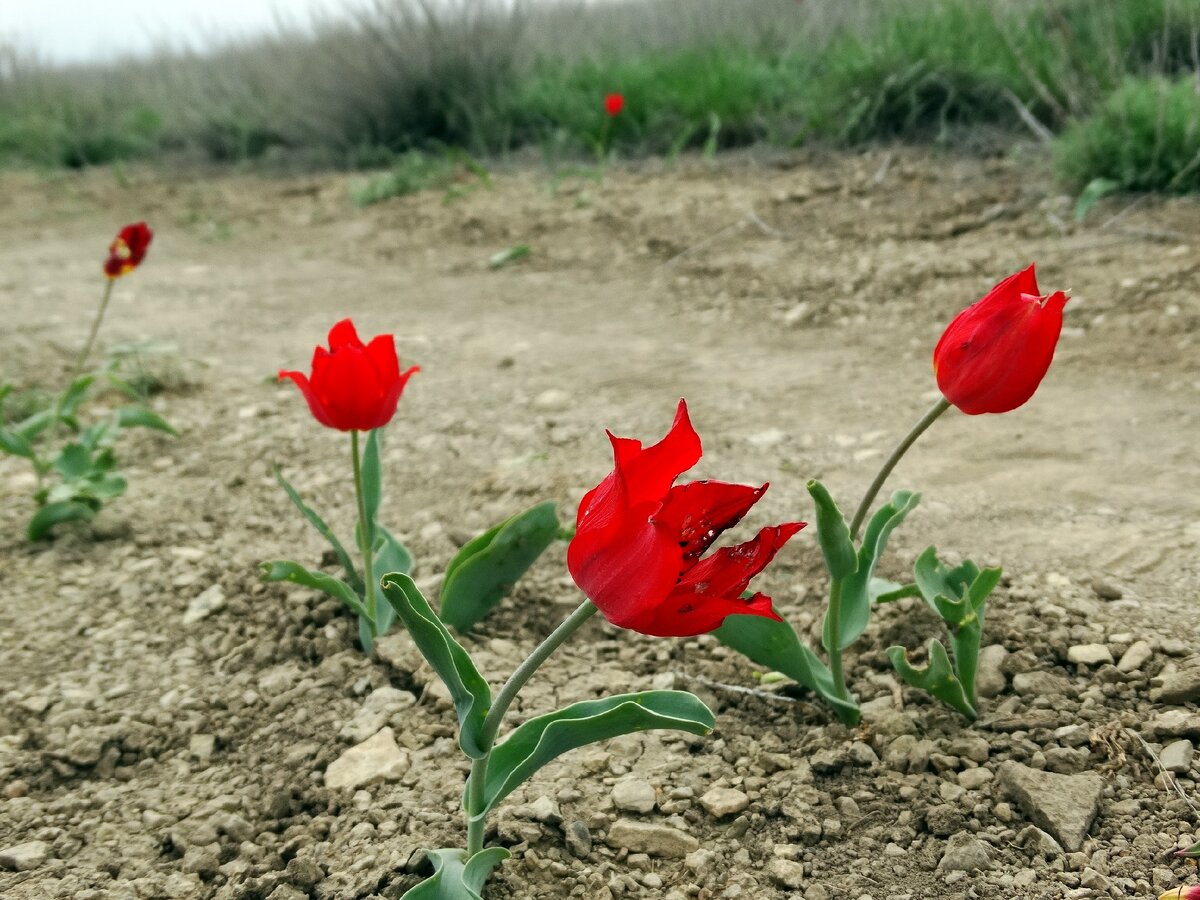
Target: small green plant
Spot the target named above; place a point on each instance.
(455, 172)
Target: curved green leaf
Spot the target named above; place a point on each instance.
(140, 417)
(777, 646)
(372, 476)
(937, 678)
(69, 400)
(539, 740)
(16, 444)
(286, 570)
(323, 529)
(55, 514)
(390, 556)
(35, 424)
(855, 596)
(884, 591)
(486, 568)
(73, 462)
(833, 534)
(455, 877)
(471, 695)
(935, 579)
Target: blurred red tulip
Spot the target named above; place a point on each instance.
(128, 249)
(613, 104)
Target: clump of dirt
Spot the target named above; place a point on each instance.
(168, 721)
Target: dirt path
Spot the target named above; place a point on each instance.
(795, 304)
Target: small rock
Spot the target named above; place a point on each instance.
(579, 839)
(376, 759)
(24, 857)
(1089, 655)
(786, 873)
(1106, 590)
(543, 809)
(1177, 757)
(1040, 684)
(1036, 842)
(989, 676)
(722, 802)
(380, 706)
(965, 853)
(652, 838)
(634, 795)
(211, 600)
(1182, 685)
(1063, 805)
(974, 779)
(202, 746)
(1138, 654)
(551, 400)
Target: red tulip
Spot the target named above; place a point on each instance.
(128, 249)
(638, 541)
(996, 352)
(613, 104)
(353, 386)
(1182, 893)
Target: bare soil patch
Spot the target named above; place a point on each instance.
(795, 302)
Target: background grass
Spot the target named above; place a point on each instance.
(1115, 78)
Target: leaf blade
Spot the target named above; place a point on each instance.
(287, 570)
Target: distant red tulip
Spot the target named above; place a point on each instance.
(128, 249)
(613, 104)
(996, 352)
(353, 386)
(1182, 893)
(638, 541)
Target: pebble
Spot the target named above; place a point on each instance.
(634, 795)
(786, 873)
(1182, 685)
(973, 779)
(380, 705)
(1063, 805)
(965, 853)
(1177, 756)
(989, 676)
(375, 759)
(651, 837)
(211, 600)
(722, 802)
(579, 839)
(1138, 654)
(24, 857)
(543, 810)
(1089, 655)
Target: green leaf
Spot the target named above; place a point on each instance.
(471, 695)
(855, 595)
(390, 556)
(372, 477)
(73, 462)
(935, 579)
(884, 591)
(1096, 189)
(937, 678)
(512, 254)
(455, 877)
(833, 534)
(777, 646)
(286, 570)
(68, 403)
(487, 567)
(16, 444)
(55, 514)
(140, 417)
(35, 424)
(539, 740)
(324, 530)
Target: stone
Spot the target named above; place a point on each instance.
(1177, 756)
(379, 707)
(989, 676)
(1036, 842)
(579, 839)
(24, 857)
(722, 802)
(652, 838)
(786, 873)
(202, 746)
(974, 779)
(543, 809)
(1176, 723)
(1138, 654)
(375, 759)
(1106, 590)
(1089, 655)
(965, 853)
(634, 795)
(1062, 805)
(1040, 684)
(211, 600)
(398, 651)
(1182, 685)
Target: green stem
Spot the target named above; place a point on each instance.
(365, 535)
(491, 723)
(87, 347)
(909, 439)
(835, 650)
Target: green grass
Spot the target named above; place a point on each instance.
(477, 75)
(1145, 137)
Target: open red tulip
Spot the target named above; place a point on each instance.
(996, 352)
(128, 249)
(353, 386)
(639, 540)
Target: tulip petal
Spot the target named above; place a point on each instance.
(343, 334)
(697, 512)
(648, 473)
(689, 619)
(727, 572)
(626, 575)
(315, 405)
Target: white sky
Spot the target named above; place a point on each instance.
(82, 30)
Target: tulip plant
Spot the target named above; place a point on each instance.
(75, 479)
(355, 387)
(990, 359)
(638, 557)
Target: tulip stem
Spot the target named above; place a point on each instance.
(87, 347)
(909, 439)
(491, 723)
(365, 536)
(835, 648)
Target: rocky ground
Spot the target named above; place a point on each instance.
(171, 727)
